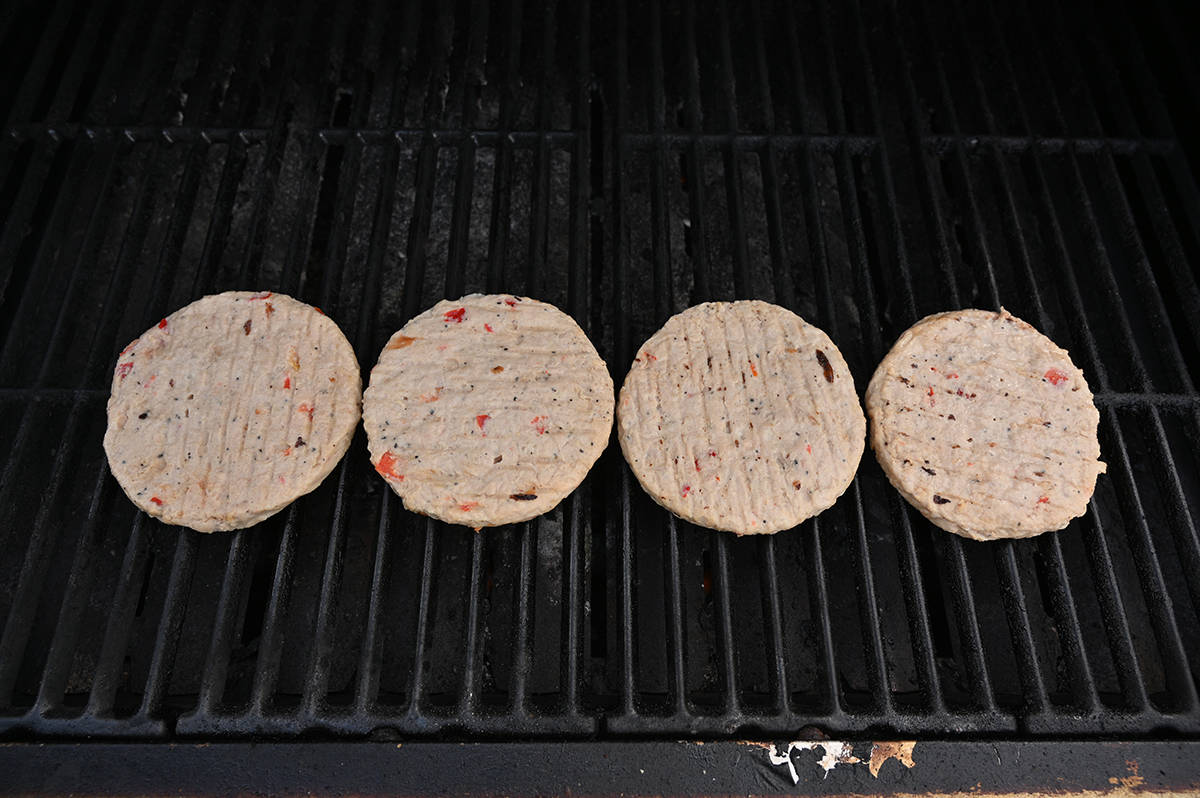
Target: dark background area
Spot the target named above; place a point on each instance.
(863, 164)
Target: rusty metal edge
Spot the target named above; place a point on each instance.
(603, 768)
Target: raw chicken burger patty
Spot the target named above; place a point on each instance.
(487, 410)
(230, 408)
(985, 426)
(741, 416)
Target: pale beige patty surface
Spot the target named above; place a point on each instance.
(487, 410)
(231, 408)
(741, 416)
(985, 426)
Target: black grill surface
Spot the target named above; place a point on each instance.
(862, 163)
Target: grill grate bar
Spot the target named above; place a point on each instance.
(724, 612)
(1083, 684)
(933, 143)
(316, 683)
(831, 691)
(370, 658)
(76, 62)
(1012, 594)
(34, 80)
(70, 616)
(120, 623)
(415, 716)
(523, 621)
(918, 611)
(693, 174)
(868, 608)
(468, 697)
(169, 625)
(676, 641)
(229, 607)
(270, 644)
(573, 622)
(659, 210)
(773, 612)
(628, 650)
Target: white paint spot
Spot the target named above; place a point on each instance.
(835, 753)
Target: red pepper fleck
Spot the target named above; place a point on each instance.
(952, 376)
(539, 424)
(318, 310)
(808, 447)
(1044, 500)
(1055, 376)
(287, 451)
(753, 371)
(687, 489)
(649, 356)
(156, 500)
(931, 390)
(712, 453)
(481, 419)
(432, 397)
(306, 408)
(488, 327)
(456, 315)
(512, 302)
(696, 462)
(246, 327)
(467, 507)
(162, 325)
(262, 295)
(387, 467)
(269, 307)
(960, 392)
(287, 382)
(123, 369)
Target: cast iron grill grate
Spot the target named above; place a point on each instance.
(863, 164)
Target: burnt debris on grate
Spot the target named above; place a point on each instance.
(861, 164)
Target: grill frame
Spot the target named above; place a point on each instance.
(380, 125)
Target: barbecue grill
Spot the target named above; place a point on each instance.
(863, 164)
